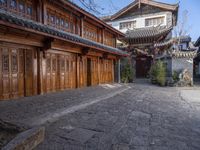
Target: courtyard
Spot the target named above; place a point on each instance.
(137, 116)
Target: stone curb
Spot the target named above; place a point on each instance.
(27, 140)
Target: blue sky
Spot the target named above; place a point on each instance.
(108, 7)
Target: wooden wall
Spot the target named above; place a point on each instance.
(18, 72)
(30, 71)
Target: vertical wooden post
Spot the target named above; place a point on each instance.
(77, 71)
(82, 27)
(102, 36)
(44, 13)
(119, 71)
(39, 72)
(98, 70)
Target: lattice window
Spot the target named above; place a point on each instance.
(21, 7)
(127, 25)
(5, 61)
(67, 66)
(48, 65)
(154, 21)
(62, 64)
(3, 3)
(13, 4)
(18, 7)
(54, 65)
(14, 62)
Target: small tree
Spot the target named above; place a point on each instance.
(158, 73)
(127, 71)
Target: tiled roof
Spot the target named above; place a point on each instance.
(184, 54)
(147, 32)
(35, 26)
(164, 43)
(170, 7)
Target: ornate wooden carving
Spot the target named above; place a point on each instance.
(24, 8)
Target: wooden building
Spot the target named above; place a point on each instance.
(145, 23)
(48, 46)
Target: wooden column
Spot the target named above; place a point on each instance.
(82, 27)
(102, 36)
(119, 71)
(98, 71)
(44, 13)
(39, 65)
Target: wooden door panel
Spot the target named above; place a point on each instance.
(54, 72)
(21, 73)
(14, 73)
(48, 72)
(5, 73)
(61, 67)
(67, 85)
(82, 72)
(29, 73)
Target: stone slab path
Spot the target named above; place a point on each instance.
(139, 116)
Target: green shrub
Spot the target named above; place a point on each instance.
(127, 72)
(175, 76)
(158, 73)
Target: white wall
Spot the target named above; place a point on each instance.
(140, 20)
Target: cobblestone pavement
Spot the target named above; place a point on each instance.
(37, 110)
(144, 117)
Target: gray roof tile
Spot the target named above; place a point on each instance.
(10, 18)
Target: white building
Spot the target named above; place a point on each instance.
(146, 23)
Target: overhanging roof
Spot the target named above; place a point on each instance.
(147, 32)
(91, 16)
(9, 19)
(170, 7)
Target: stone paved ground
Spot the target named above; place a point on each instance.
(144, 117)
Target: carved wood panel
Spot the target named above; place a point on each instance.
(14, 73)
(60, 71)
(16, 78)
(24, 8)
(82, 71)
(5, 73)
(29, 75)
(106, 71)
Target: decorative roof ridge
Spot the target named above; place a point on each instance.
(30, 24)
(150, 2)
(147, 32)
(183, 54)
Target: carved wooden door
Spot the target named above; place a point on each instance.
(82, 71)
(14, 67)
(48, 72)
(51, 70)
(54, 73)
(67, 85)
(29, 79)
(61, 64)
(12, 73)
(89, 72)
(5, 73)
(72, 71)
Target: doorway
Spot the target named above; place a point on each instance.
(89, 72)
